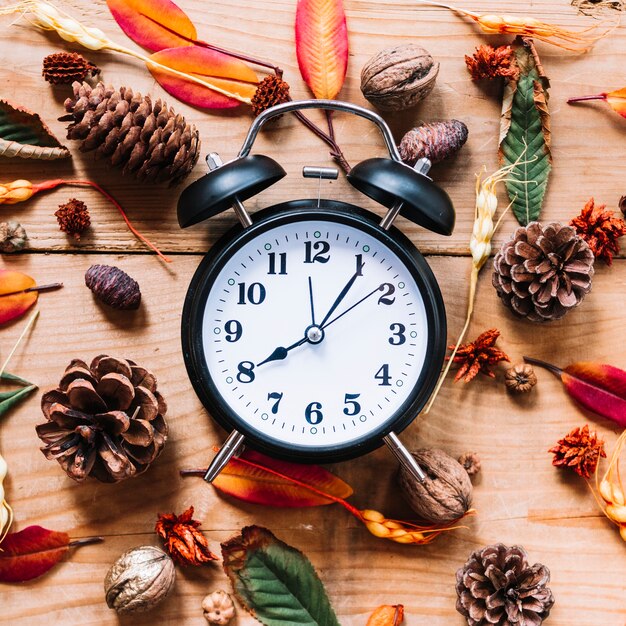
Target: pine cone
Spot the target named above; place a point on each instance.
(271, 91)
(63, 68)
(436, 141)
(145, 138)
(543, 272)
(497, 587)
(105, 420)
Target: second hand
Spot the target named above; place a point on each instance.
(371, 293)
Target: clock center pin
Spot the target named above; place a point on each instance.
(314, 334)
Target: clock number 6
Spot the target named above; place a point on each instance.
(246, 372)
(313, 413)
(398, 337)
(351, 399)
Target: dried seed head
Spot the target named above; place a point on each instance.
(113, 286)
(12, 237)
(471, 462)
(16, 191)
(436, 141)
(520, 378)
(73, 217)
(271, 91)
(63, 68)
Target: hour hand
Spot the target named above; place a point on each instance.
(280, 353)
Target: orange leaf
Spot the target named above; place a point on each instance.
(387, 615)
(216, 68)
(16, 305)
(247, 478)
(153, 24)
(322, 45)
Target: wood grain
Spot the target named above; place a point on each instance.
(520, 498)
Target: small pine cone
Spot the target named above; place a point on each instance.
(113, 286)
(63, 68)
(12, 237)
(73, 217)
(497, 586)
(543, 271)
(148, 139)
(104, 420)
(272, 90)
(436, 141)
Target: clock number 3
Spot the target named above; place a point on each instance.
(398, 337)
(313, 413)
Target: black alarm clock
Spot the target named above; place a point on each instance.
(314, 331)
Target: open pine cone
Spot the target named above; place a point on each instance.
(105, 420)
(543, 271)
(498, 587)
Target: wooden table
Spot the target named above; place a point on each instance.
(520, 498)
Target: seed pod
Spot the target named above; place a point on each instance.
(445, 494)
(436, 141)
(218, 608)
(113, 286)
(12, 237)
(139, 580)
(398, 78)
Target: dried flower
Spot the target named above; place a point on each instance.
(580, 449)
(272, 90)
(489, 63)
(73, 217)
(520, 378)
(63, 68)
(113, 286)
(12, 237)
(218, 608)
(600, 229)
(471, 463)
(611, 489)
(436, 141)
(182, 539)
(477, 356)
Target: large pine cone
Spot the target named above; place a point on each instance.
(497, 586)
(543, 272)
(105, 420)
(145, 138)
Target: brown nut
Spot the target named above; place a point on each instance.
(398, 78)
(520, 378)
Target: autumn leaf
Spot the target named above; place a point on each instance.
(275, 582)
(32, 552)
(23, 297)
(598, 387)
(24, 134)
(322, 45)
(615, 99)
(153, 24)
(215, 68)
(387, 615)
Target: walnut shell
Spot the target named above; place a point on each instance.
(445, 494)
(139, 580)
(398, 78)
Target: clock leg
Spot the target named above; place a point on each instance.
(404, 456)
(227, 451)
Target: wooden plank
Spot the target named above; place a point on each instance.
(520, 497)
(587, 140)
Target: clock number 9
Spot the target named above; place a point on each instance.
(234, 330)
(398, 337)
(389, 289)
(313, 414)
(246, 372)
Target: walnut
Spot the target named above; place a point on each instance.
(398, 78)
(218, 608)
(445, 494)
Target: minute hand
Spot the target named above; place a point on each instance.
(344, 291)
(371, 293)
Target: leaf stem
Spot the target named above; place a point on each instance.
(48, 287)
(85, 541)
(557, 371)
(600, 96)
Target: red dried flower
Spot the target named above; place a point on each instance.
(489, 62)
(73, 217)
(580, 449)
(182, 539)
(272, 90)
(600, 229)
(478, 355)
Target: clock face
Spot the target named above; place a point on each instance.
(315, 333)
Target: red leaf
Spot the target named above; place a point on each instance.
(219, 69)
(598, 387)
(32, 552)
(322, 45)
(16, 305)
(247, 478)
(153, 24)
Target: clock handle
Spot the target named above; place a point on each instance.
(404, 456)
(226, 453)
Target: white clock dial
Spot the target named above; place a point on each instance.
(362, 356)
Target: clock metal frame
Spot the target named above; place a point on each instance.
(264, 220)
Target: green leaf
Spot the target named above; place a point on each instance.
(275, 582)
(24, 134)
(525, 135)
(9, 399)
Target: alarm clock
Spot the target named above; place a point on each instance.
(314, 331)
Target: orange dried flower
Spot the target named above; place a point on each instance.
(600, 229)
(580, 449)
(182, 539)
(73, 217)
(272, 90)
(478, 355)
(489, 62)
